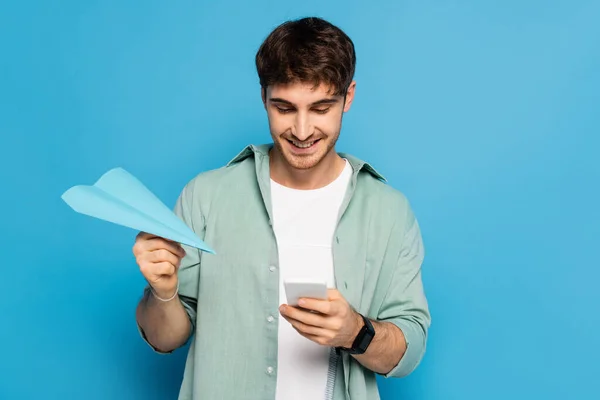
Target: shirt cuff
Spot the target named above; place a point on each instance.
(415, 348)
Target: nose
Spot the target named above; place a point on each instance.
(303, 128)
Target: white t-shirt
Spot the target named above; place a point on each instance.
(304, 222)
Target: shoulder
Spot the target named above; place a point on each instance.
(386, 200)
(201, 189)
(391, 216)
(374, 192)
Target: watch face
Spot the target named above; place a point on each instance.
(362, 341)
(364, 338)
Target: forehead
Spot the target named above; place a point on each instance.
(301, 93)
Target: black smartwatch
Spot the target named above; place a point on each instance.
(362, 341)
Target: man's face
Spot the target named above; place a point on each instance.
(305, 123)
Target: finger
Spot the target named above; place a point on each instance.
(303, 328)
(160, 243)
(304, 316)
(163, 255)
(152, 243)
(334, 294)
(321, 306)
(144, 235)
(164, 268)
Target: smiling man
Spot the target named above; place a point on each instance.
(295, 209)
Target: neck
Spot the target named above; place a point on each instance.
(322, 174)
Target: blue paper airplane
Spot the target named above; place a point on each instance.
(120, 198)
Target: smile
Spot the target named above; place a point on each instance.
(302, 145)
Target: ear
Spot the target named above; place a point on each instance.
(350, 96)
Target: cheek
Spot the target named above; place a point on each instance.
(278, 123)
(327, 124)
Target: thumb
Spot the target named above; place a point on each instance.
(334, 294)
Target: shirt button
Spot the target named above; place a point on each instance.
(270, 318)
(269, 370)
(272, 268)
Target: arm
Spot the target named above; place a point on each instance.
(172, 272)
(404, 310)
(386, 349)
(165, 325)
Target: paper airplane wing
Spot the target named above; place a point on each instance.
(122, 185)
(96, 202)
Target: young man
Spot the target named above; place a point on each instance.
(292, 210)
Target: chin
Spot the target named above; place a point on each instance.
(300, 161)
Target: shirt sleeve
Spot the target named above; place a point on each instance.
(189, 269)
(405, 304)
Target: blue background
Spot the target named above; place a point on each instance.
(485, 114)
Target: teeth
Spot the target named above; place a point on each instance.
(303, 145)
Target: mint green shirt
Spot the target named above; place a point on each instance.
(230, 296)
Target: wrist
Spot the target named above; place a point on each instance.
(358, 324)
(165, 295)
(362, 339)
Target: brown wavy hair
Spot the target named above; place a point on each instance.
(307, 50)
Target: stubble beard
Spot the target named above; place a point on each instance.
(309, 161)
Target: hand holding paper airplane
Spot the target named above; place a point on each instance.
(120, 198)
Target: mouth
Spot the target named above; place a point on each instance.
(303, 145)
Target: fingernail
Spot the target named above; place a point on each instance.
(301, 302)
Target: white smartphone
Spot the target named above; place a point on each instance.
(296, 290)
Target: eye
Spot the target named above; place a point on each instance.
(322, 110)
(283, 110)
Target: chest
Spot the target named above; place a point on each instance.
(248, 239)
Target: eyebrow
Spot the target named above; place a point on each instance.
(316, 103)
